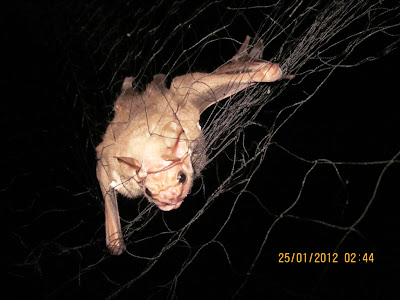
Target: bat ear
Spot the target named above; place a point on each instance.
(129, 165)
(175, 141)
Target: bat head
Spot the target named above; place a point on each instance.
(165, 172)
(168, 187)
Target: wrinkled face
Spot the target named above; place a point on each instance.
(169, 187)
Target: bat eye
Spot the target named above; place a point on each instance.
(148, 193)
(181, 177)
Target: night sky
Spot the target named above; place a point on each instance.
(61, 81)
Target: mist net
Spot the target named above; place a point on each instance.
(296, 174)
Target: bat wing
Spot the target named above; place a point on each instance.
(114, 238)
(243, 70)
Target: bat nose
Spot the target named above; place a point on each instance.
(170, 196)
(168, 207)
(169, 199)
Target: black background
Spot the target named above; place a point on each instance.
(52, 208)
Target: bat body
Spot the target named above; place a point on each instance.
(148, 147)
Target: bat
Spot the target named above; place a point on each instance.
(147, 149)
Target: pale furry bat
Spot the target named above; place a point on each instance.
(148, 147)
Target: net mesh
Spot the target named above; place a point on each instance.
(307, 165)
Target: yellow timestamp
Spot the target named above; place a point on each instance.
(325, 257)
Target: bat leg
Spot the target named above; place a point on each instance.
(270, 73)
